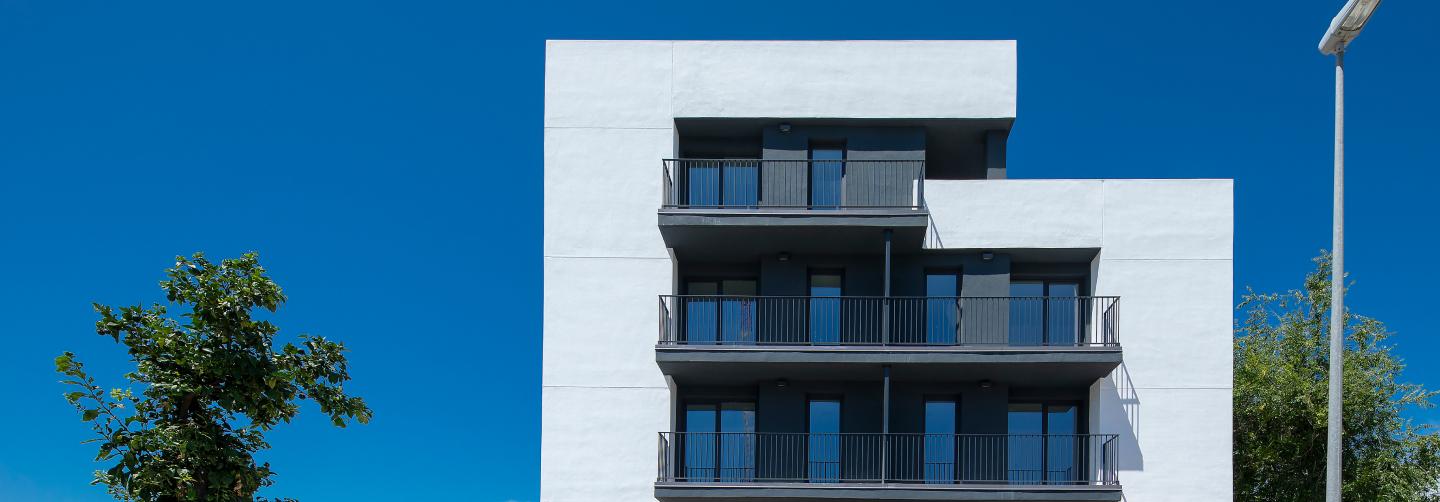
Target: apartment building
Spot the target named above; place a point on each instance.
(801, 271)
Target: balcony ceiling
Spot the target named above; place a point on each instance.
(722, 234)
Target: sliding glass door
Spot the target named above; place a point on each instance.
(722, 183)
(719, 441)
(1043, 445)
(720, 311)
(1044, 313)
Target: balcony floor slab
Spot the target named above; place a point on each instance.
(794, 492)
(704, 234)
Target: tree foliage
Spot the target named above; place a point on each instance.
(211, 384)
(1281, 378)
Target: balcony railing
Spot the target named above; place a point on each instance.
(894, 321)
(1006, 459)
(793, 184)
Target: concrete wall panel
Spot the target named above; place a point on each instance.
(1153, 219)
(600, 443)
(992, 214)
(1175, 319)
(601, 321)
(1175, 444)
(602, 189)
(857, 79)
(607, 84)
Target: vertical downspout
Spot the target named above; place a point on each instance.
(885, 303)
(885, 427)
(885, 339)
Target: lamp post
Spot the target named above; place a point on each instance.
(1344, 28)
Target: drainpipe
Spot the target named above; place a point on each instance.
(885, 427)
(885, 340)
(885, 306)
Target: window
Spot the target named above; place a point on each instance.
(940, 439)
(825, 290)
(720, 311)
(1044, 313)
(827, 175)
(1044, 445)
(942, 308)
(824, 442)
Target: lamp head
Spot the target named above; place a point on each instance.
(1347, 25)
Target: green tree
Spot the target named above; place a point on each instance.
(211, 385)
(1281, 370)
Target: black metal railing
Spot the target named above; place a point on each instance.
(793, 184)
(1085, 321)
(1008, 459)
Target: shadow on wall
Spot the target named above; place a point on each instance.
(1122, 406)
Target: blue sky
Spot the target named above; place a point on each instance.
(385, 159)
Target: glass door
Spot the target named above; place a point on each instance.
(1062, 444)
(1027, 313)
(737, 312)
(1044, 313)
(722, 183)
(824, 441)
(702, 180)
(702, 312)
(1044, 445)
(719, 441)
(741, 181)
(1062, 313)
(700, 443)
(942, 309)
(827, 175)
(825, 291)
(720, 312)
(1024, 448)
(939, 440)
(737, 442)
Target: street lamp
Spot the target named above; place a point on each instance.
(1344, 28)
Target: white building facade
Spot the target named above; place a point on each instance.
(798, 271)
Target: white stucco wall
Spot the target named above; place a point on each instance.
(1166, 250)
(609, 120)
(608, 123)
(884, 79)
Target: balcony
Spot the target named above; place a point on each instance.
(717, 206)
(1021, 340)
(848, 466)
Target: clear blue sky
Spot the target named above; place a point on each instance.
(385, 158)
